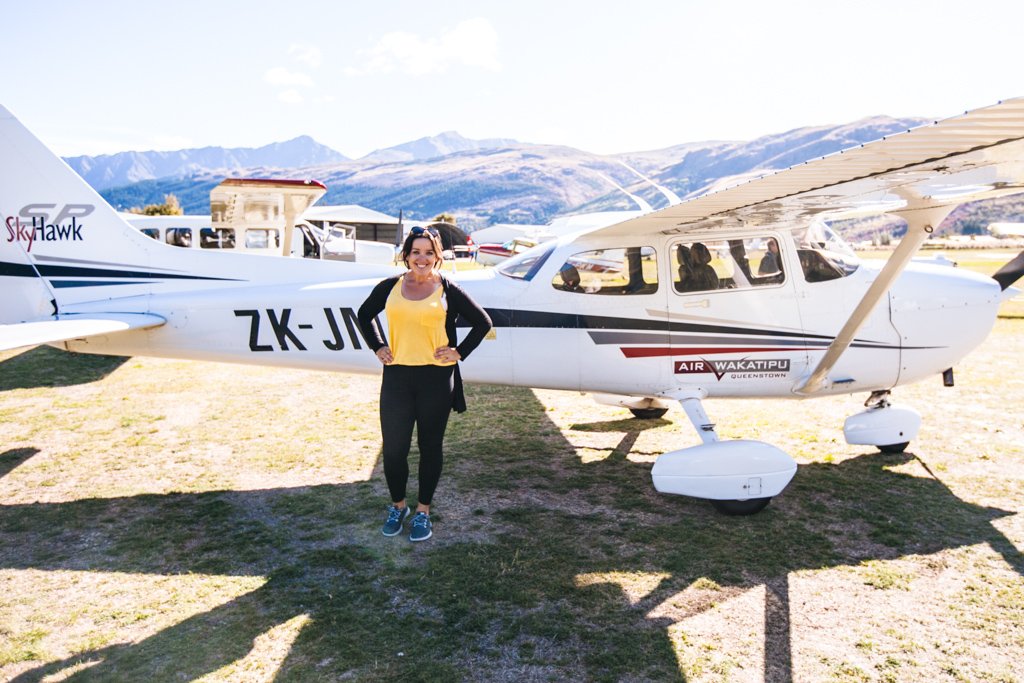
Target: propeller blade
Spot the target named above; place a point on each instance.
(1011, 272)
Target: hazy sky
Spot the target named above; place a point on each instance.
(112, 75)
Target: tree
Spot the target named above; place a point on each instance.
(170, 207)
(448, 218)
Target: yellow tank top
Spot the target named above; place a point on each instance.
(416, 328)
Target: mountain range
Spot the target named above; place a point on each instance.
(125, 168)
(482, 182)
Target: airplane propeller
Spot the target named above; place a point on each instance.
(1011, 272)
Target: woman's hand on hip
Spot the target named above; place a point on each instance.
(447, 354)
(384, 355)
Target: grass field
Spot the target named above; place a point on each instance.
(164, 520)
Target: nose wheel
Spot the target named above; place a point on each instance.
(887, 428)
(739, 508)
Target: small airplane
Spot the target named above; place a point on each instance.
(744, 292)
(491, 254)
(263, 216)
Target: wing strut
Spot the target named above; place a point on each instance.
(920, 223)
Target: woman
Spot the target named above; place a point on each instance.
(421, 382)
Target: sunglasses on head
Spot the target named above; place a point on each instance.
(420, 231)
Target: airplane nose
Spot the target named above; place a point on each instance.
(943, 288)
(941, 314)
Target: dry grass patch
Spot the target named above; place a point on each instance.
(164, 520)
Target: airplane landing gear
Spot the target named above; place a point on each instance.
(642, 407)
(738, 508)
(648, 413)
(881, 425)
(739, 477)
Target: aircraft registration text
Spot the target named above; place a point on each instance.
(287, 333)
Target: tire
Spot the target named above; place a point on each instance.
(894, 447)
(741, 508)
(648, 413)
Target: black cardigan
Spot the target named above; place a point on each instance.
(459, 304)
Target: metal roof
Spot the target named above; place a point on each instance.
(348, 213)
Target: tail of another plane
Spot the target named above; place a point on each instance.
(60, 243)
(64, 250)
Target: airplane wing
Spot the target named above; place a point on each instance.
(72, 326)
(974, 156)
(921, 175)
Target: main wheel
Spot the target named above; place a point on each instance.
(738, 508)
(648, 413)
(894, 447)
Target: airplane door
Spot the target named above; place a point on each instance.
(830, 284)
(587, 310)
(736, 326)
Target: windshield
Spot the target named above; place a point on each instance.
(824, 255)
(524, 266)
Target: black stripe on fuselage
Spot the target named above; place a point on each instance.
(503, 317)
(509, 318)
(25, 270)
(65, 284)
(75, 271)
(16, 270)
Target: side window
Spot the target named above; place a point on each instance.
(151, 232)
(262, 239)
(629, 270)
(179, 237)
(706, 265)
(217, 238)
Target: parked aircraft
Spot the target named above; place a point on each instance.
(491, 254)
(676, 305)
(262, 216)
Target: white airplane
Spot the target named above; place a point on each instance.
(745, 292)
(262, 216)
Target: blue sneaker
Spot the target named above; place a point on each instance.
(393, 525)
(421, 527)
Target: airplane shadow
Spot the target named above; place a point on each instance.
(45, 366)
(550, 519)
(14, 457)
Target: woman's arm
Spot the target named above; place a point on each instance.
(480, 323)
(371, 308)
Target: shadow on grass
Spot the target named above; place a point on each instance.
(11, 459)
(45, 366)
(510, 608)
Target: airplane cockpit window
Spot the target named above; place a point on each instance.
(217, 238)
(262, 239)
(706, 265)
(823, 254)
(629, 270)
(525, 265)
(179, 237)
(151, 232)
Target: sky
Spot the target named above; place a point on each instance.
(115, 75)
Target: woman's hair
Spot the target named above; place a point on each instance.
(428, 233)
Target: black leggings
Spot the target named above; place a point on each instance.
(420, 395)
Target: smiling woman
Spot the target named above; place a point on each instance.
(421, 382)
